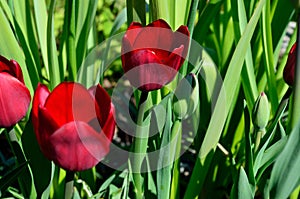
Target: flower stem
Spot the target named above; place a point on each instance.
(69, 182)
(259, 134)
(140, 147)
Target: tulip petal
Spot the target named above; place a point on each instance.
(175, 59)
(157, 35)
(40, 95)
(70, 101)
(81, 144)
(182, 37)
(159, 23)
(5, 65)
(148, 73)
(17, 70)
(14, 100)
(184, 30)
(139, 57)
(289, 69)
(12, 67)
(102, 103)
(133, 30)
(129, 37)
(47, 126)
(109, 126)
(126, 51)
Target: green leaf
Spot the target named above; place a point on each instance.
(26, 179)
(248, 149)
(41, 167)
(81, 44)
(10, 48)
(268, 57)
(243, 189)
(11, 176)
(27, 31)
(119, 21)
(56, 73)
(107, 182)
(222, 106)
(41, 17)
(126, 184)
(70, 8)
(166, 155)
(285, 175)
(8, 13)
(248, 75)
(270, 156)
(205, 19)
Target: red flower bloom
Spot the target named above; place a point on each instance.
(14, 95)
(74, 126)
(289, 69)
(152, 55)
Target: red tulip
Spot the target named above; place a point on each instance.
(152, 55)
(14, 95)
(74, 126)
(289, 70)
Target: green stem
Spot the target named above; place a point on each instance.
(140, 147)
(260, 133)
(69, 183)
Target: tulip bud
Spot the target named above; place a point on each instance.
(289, 69)
(261, 112)
(186, 97)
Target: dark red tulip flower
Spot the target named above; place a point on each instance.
(152, 55)
(289, 69)
(14, 95)
(74, 126)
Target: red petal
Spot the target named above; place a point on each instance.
(289, 69)
(109, 126)
(17, 70)
(132, 32)
(77, 146)
(159, 23)
(12, 67)
(40, 95)
(102, 103)
(126, 50)
(47, 126)
(14, 100)
(69, 102)
(150, 74)
(175, 59)
(157, 35)
(184, 30)
(181, 37)
(138, 58)
(5, 65)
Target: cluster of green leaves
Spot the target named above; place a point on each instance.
(240, 58)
